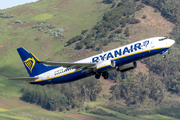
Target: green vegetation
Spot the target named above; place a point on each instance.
(42, 17)
(90, 25)
(150, 91)
(120, 16)
(99, 116)
(9, 116)
(136, 89)
(63, 97)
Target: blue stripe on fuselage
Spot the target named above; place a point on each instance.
(119, 61)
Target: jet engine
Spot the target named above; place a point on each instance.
(127, 67)
(106, 63)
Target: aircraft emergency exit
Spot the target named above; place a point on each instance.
(122, 59)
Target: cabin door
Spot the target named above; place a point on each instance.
(152, 44)
(48, 76)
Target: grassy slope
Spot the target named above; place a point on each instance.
(74, 16)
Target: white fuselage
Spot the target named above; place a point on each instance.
(121, 55)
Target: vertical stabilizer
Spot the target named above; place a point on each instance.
(31, 63)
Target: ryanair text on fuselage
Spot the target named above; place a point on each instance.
(117, 53)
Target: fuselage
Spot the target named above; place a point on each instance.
(121, 55)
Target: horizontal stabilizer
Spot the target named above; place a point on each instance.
(23, 78)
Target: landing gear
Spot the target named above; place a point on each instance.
(163, 53)
(105, 75)
(164, 56)
(98, 75)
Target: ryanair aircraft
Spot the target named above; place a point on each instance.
(122, 59)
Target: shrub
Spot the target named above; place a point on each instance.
(144, 16)
(139, 7)
(118, 31)
(111, 35)
(87, 108)
(101, 112)
(90, 45)
(127, 34)
(79, 45)
(61, 108)
(83, 32)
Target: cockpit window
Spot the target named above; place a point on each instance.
(162, 39)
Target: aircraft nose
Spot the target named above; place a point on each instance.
(171, 42)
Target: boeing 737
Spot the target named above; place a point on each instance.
(122, 59)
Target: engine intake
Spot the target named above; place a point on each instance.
(127, 67)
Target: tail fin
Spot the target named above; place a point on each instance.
(31, 63)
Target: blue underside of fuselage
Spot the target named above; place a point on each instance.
(78, 75)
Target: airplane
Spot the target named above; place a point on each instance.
(122, 59)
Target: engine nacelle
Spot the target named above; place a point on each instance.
(127, 67)
(106, 63)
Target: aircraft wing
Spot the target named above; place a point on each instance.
(70, 65)
(23, 78)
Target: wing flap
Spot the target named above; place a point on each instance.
(68, 64)
(23, 78)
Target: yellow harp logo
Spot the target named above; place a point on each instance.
(30, 62)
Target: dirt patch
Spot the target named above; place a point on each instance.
(14, 34)
(142, 68)
(153, 26)
(10, 104)
(81, 117)
(2, 70)
(64, 2)
(15, 26)
(1, 49)
(106, 83)
(46, 47)
(32, 11)
(21, 11)
(28, 24)
(68, 31)
(72, 55)
(10, 23)
(19, 42)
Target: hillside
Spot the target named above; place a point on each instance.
(73, 16)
